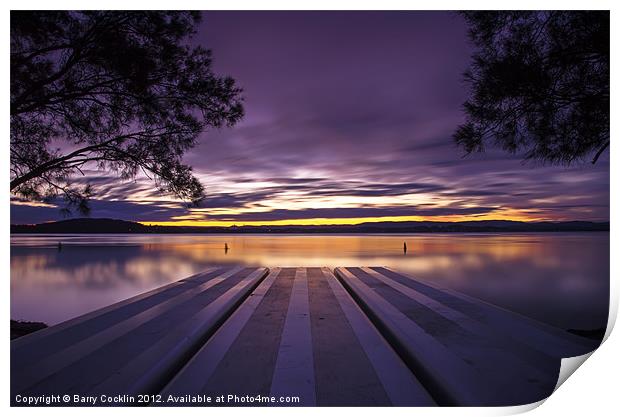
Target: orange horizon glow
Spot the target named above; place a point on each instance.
(514, 215)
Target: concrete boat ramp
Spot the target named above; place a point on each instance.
(235, 336)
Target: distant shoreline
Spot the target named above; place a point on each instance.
(112, 226)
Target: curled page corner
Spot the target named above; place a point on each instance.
(611, 319)
(520, 409)
(568, 366)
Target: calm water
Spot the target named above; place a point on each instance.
(560, 278)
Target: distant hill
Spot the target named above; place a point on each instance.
(82, 225)
(88, 225)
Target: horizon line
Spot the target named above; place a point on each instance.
(307, 222)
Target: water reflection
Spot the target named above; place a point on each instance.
(559, 278)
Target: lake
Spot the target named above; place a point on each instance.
(558, 278)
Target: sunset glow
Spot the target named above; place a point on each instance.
(501, 215)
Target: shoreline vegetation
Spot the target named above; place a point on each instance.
(103, 226)
(22, 328)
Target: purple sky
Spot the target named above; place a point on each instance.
(348, 115)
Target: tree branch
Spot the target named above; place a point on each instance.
(600, 151)
(58, 162)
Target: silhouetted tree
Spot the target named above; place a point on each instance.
(122, 91)
(539, 84)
